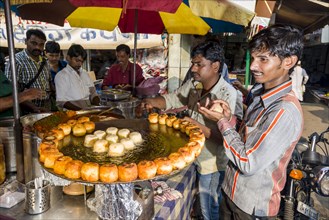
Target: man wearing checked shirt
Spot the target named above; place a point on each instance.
(28, 62)
(272, 125)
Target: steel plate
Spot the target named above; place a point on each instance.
(114, 94)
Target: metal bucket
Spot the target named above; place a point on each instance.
(32, 168)
(127, 106)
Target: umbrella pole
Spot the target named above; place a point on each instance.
(135, 51)
(17, 125)
(247, 75)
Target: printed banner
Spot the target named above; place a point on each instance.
(67, 35)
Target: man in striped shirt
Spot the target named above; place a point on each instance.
(272, 125)
(28, 62)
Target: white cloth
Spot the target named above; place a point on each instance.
(70, 86)
(299, 78)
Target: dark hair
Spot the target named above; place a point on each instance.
(280, 40)
(210, 50)
(123, 47)
(77, 50)
(52, 47)
(37, 32)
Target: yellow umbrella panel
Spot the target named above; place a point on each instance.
(152, 22)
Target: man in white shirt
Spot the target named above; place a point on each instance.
(299, 78)
(74, 88)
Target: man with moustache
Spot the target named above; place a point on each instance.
(273, 123)
(28, 62)
(121, 75)
(75, 89)
(207, 83)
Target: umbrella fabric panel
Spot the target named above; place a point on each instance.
(184, 22)
(147, 22)
(218, 26)
(221, 10)
(146, 5)
(95, 17)
(54, 12)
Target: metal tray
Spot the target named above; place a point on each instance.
(160, 141)
(114, 94)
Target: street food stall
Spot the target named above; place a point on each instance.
(139, 195)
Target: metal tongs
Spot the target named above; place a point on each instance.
(105, 111)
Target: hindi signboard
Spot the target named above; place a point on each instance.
(67, 35)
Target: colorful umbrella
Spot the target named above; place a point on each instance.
(221, 15)
(157, 17)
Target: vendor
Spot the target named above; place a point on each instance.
(121, 75)
(74, 88)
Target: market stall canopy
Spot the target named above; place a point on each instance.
(310, 15)
(106, 15)
(222, 10)
(222, 23)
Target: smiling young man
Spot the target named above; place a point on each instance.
(272, 125)
(207, 60)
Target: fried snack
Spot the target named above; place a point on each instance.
(79, 130)
(71, 122)
(70, 113)
(198, 137)
(112, 130)
(136, 137)
(90, 172)
(194, 147)
(47, 151)
(51, 158)
(176, 124)
(164, 165)
(112, 138)
(170, 120)
(73, 168)
(45, 144)
(101, 146)
(162, 119)
(83, 119)
(177, 160)
(65, 127)
(100, 134)
(153, 117)
(90, 140)
(127, 143)
(190, 127)
(183, 125)
(90, 126)
(146, 169)
(187, 154)
(51, 137)
(127, 172)
(108, 173)
(60, 164)
(116, 150)
(59, 133)
(123, 133)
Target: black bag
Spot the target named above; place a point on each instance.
(23, 86)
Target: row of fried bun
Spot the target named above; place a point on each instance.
(52, 158)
